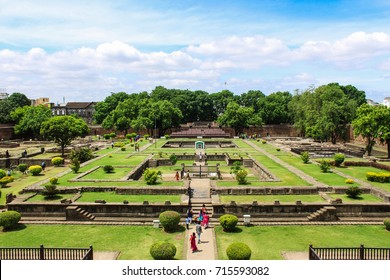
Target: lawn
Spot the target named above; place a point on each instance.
(268, 243)
(99, 174)
(119, 198)
(363, 198)
(126, 239)
(270, 198)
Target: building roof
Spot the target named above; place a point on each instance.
(79, 105)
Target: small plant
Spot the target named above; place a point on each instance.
(54, 181)
(169, 220)
(264, 141)
(146, 136)
(353, 192)
(228, 222)
(119, 144)
(325, 166)
(167, 136)
(151, 176)
(241, 177)
(107, 136)
(57, 161)
(160, 154)
(163, 251)
(35, 170)
(22, 167)
(6, 180)
(173, 159)
(82, 154)
(75, 166)
(2, 173)
(386, 222)
(108, 168)
(349, 181)
(50, 191)
(110, 155)
(238, 251)
(9, 219)
(278, 149)
(339, 159)
(236, 166)
(123, 149)
(305, 157)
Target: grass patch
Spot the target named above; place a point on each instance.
(118, 173)
(268, 243)
(363, 198)
(270, 198)
(102, 238)
(114, 197)
(57, 198)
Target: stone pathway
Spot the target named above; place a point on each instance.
(206, 249)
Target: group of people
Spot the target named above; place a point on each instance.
(202, 220)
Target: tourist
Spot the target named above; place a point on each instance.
(206, 220)
(200, 156)
(43, 164)
(198, 230)
(193, 242)
(188, 175)
(177, 176)
(9, 172)
(6, 154)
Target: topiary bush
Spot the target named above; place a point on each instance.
(123, 149)
(349, 181)
(2, 173)
(75, 165)
(381, 177)
(6, 180)
(386, 222)
(108, 168)
(305, 157)
(146, 136)
(22, 167)
(167, 136)
(49, 191)
(57, 161)
(338, 159)
(353, 192)
(163, 251)
(151, 176)
(238, 251)
(264, 141)
(173, 159)
(241, 177)
(169, 220)
(35, 169)
(9, 219)
(228, 222)
(53, 181)
(325, 166)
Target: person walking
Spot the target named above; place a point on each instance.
(193, 242)
(198, 230)
(177, 176)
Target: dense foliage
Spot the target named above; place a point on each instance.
(238, 251)
(169, 220)
(151, 176)
(228, 222)
(9, 219)
(163, 251)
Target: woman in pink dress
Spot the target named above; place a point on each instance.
(205, 221)
(193, 242)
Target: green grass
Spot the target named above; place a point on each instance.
(268, 243)
(363, 198)
(57, 198)
(113, 197)
(118, 173)
(133, 242)
(270, 198)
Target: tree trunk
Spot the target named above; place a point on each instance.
(63, 150)
(388, 148)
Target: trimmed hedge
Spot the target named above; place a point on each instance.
(381, 177)
(228, 222)
(386, 222)
(2, 173)
(54, 180)
(6, 180)
(57, 161)
(35, 169)
(339, 159)
(9, 219)
(22, 167)
(163, 251)
(353, 192)
(108, 168)
(238, 251)
(169, 220)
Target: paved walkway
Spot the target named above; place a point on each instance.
(206, 249)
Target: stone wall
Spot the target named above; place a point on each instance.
(6, 131)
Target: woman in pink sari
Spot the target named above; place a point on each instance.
(205, 221)
(193, 242)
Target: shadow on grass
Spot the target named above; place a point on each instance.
(54, 197)
(235, 230)
(17, 227)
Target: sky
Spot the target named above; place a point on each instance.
(83, 50)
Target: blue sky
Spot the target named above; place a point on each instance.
(84, 50)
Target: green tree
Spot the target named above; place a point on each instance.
(29, 120)
(238, 117)
(221, 100)
(104, 108)
(254, 99)
(275, 108)
(63, 130)
(11, 103)
(18, 99)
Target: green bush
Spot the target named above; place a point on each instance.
(82, 155)
(338, 159)
(57, 161)
(305, 157)
(22, 167)
(123, 149)
(236, 166)
(119, 144)
(131, 135)
(169, 220)
(228, 222)
(278, 149)
(349, 181)
(54, 181)
(353, 192)
(146, 136)
(112, 135)
(167, 136)
(163, 251)
(386, 222)
(325, 166)
(108, 168)
(35, 169)
(238, 251)
(173, 159)
(241, 177)
(151, 176)
(2, 173)
(9, 219)
(75, 165)
(6, 180)
(264, 141)
(381, 177)
(107, 136)
(49, 191)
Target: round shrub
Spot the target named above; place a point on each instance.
(353, 192)
(151, 176)
(57, 161)
(339, 159)
(228, 222)
(54, 180)
(22, 167)
(278, 149)
(349, 181)
(146, 136)
(35, 169)
(50, 191)
(9, 219)
(123, 149)
(108, 168)
(2, 173)
(163, 251)
(6, 180)
(264, 141)
(169, 220)
(238, 251)
(167, 136)
(386, 222)
(241, 177)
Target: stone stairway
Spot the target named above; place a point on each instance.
(78, 213)
(327, 213)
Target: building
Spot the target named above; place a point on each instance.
(386, 102)
(84, 110)
(372, 102)
(45, 101)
